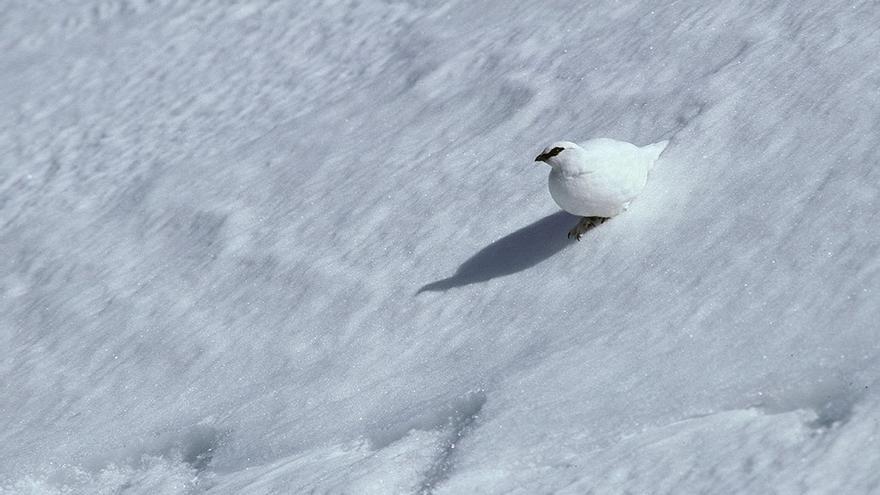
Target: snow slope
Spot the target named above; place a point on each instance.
(286, 247)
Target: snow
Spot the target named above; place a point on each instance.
(283, 247)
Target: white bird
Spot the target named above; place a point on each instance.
(599, 178)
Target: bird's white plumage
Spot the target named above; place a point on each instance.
(599, 177)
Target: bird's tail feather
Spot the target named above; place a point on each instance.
(656, 149)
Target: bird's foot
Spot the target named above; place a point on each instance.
(585, 224)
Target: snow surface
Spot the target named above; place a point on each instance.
(285, 247)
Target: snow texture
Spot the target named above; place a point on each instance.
(302, 247)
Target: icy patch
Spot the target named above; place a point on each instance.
(150, 475)
(449, 423)
(831, 401)
(413, 455)
(194, 446)
(171, 462)
(455, 415)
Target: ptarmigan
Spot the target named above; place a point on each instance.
(599, 178)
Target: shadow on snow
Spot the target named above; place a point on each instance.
(513, 253)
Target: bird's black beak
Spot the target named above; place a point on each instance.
(543, 157)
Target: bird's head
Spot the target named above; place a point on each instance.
(559, 154)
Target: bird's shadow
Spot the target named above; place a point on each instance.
(513, 253)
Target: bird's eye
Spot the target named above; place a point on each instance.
(555, 151)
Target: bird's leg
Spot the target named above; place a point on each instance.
(585, 224)
(578, 230)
